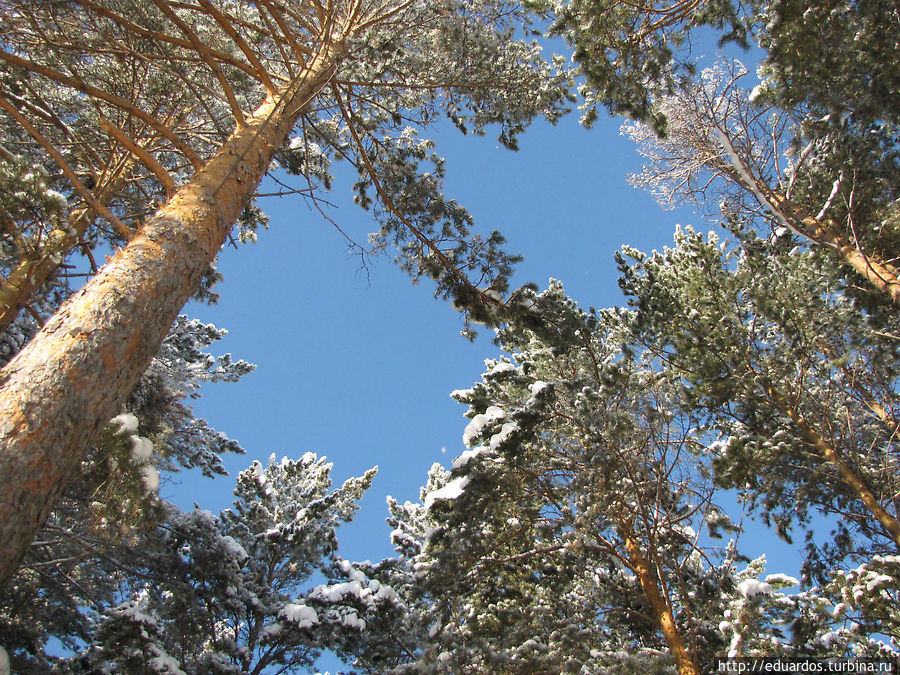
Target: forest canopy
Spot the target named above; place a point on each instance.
(614, 456)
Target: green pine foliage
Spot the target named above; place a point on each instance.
(74, 570)
(601, 438)
(589, 525)
(574, 449)
(231, 593)
(782, 363)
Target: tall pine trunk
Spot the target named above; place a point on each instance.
(63, 388)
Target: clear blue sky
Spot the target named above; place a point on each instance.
(358, 364)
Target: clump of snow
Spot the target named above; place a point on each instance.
(302, 615)
(499, 368)
(757, 91)
(536, 389)
(234, 548)
(127, 422)
(351, 620)
(829, 638)
(505, 432)
(877, 581)
(468, 455)
(451, 490)
(461, 394)
(686, 531)
(141, 449)
(369, 591)
(352, 574)
(258, 472)
(133, 610)
(751, 587)
(479, 422)
(163, 663)
(273, 630)
(337, 592)
(150, 478)
(782, 580)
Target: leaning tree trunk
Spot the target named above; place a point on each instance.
(63, 388)
(659, 605)
(26, 279)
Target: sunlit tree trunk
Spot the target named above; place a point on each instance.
(873, 268)
(661, 608)
(63, 388)
(848, 473)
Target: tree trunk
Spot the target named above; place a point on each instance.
(876, 270)
(662, 610)
(63, 388)
(849, 475)
(19, 288)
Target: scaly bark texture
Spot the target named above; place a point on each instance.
(72, 378)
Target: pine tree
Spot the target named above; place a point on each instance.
(576, 533)
(353, 78)
(799, 382)
(763, 166)
(400, 634)
(814, 148)
(629, 53)
(566, 538)
(75, 567)
(229, 593)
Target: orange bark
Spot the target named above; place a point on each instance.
(874, 269)
(662, 610)
(848, 474)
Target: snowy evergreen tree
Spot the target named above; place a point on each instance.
(230, 593)
(813, 148)
(567, 538)
(798, 380)
(75, 567)
(822, 622)
(739, 156)
(576, 534)
(399, 635)
(630, 52)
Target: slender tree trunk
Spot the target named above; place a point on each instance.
(880, 274)
(19, 288)
(848, 474)
(662, 610)
(63, 388)
(877, 271)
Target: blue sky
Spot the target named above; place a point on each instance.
(357, 364)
